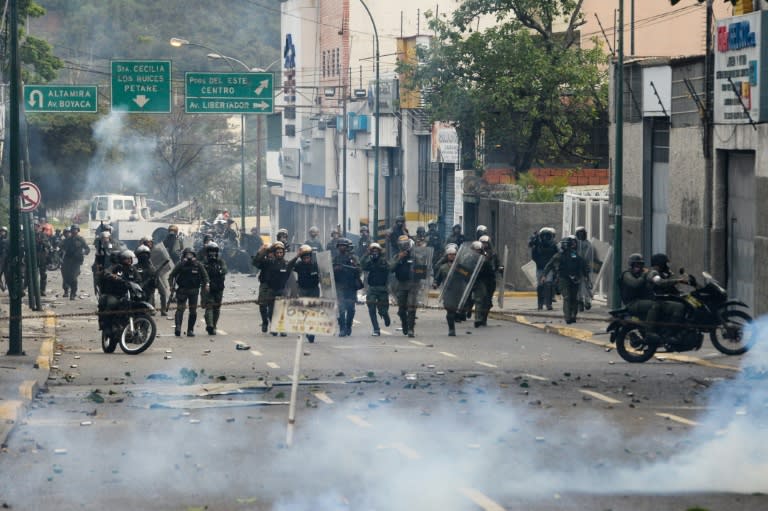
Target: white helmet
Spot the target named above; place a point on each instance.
(484, 239)
(450, 250)
(212, 245)
(142, 249)
(374, 246)
(476, 245)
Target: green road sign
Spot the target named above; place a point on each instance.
(61, 98)
(141, 86)
(229, 93)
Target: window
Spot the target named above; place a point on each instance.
(102, 204)
(324, 63)
(117, 204)
(338, 62)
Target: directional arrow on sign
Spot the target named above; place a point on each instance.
(36, 98)
(141, 100)
(262, 105)
(262, 85)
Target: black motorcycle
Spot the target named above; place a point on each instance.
(707, 311)
(129, 324)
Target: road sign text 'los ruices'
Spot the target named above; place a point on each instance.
(141, 86)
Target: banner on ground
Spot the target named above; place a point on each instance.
(315, 316)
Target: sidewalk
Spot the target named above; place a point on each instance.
(21, 376)
(590, 325)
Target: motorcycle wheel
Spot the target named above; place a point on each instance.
(52, 265)
(108, 343)
(144, 330)
(734, 335)
(632, 347)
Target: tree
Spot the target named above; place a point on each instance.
(523, 84)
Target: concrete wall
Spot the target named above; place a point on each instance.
(514, 224)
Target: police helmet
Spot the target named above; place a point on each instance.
(212, 245)
(400, 219)
(547, 230)
(456, 227)
(404, 242)
(146, 239)
(581, 232)
(108, 227)
(431, 223)
(450, 250)
(305, 250)
(127, 254)
(74, 227)
(5, 229)
(484, 239)
(480, 230)
(421, 230)
(453, 246)
(314, 231)
(660, 260)
(343, 242)
(173, 228)
(282, 231)
(187, 251)
(477, 246)
(142, 249)
(374, 246)
(278, 245)
(363, 228)
(635, 259)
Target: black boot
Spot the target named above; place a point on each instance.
(178, 319)
(386, 319)
(264, 318)
(374, 320)
(451, 325)
(342, 326)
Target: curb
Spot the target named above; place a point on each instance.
(14, 407)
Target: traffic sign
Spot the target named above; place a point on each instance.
(30, 196)
(61, 98)
(229, 93)
(142, 86)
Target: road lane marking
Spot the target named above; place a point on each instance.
(449, 355)
(359, 421)
(534, 377)
(403, 449)
(272, 365)
(322, 396)
(599, 396)
(481, 500)
(677, 418)
(486, 364)
(219, 331)
(417, 343)
(256, 353)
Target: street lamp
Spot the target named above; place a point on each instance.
(259, 140)
(376, 138)
(177, 43)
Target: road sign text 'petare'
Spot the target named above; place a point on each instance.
(141, 86)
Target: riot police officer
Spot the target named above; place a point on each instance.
(146, 272)
(571, 270)
(73, 248)
(663, 284)
(346, 273)
(543, 249)
(172, 243)
(189, 275)
(314, 239)
(307, 275)
(635, 288)
(273, 275)
(364, 242)
(377, 297)
(402, 265)
(212, 298)
(440, 276)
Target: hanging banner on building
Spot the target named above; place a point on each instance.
(445, 143)
(740, 75)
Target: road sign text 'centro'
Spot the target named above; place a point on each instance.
(141, 86)
(229, 93)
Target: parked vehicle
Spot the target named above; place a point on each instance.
(130, 324)
(707, 311)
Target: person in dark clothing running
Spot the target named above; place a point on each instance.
(346, 272)
(190, 276)
(377, 298)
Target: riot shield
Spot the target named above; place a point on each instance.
(422, 272)
(457, 287)
(159, 257)
(325, 268)
(291, 288)
(502, 278)
(529, 270)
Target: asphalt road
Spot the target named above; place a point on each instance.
(502, 418)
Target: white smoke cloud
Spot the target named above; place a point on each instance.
(124, 160)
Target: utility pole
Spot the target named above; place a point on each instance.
(14, 187)
(618, 178)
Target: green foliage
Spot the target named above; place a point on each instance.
(536, 191)
(529, 89)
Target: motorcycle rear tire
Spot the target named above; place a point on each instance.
(722, 338)
(108, 343)
(145, 329)
(632, 346)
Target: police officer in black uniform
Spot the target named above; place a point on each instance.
(346, 272)
(307, 275)
(189, 275)
(212, 298)
(377, 298)
(273, 276)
